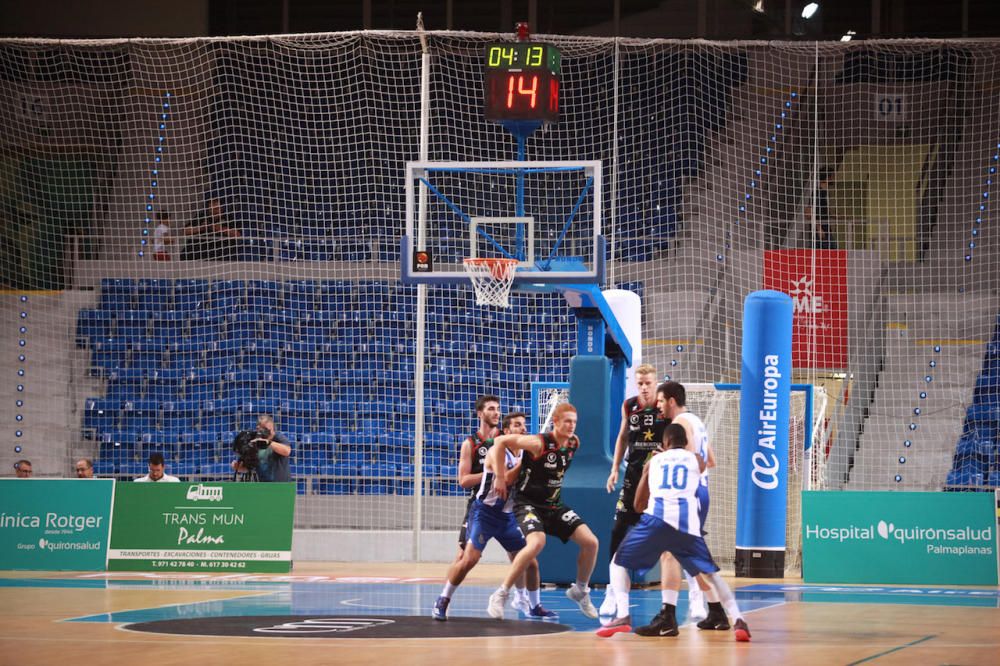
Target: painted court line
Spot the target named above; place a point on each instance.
(895, 649)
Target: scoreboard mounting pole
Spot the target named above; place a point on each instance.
(521, 92)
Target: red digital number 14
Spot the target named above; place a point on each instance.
(531, 92)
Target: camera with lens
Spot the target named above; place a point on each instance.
(246, 445)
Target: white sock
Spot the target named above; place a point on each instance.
(534, 597)
(448, 590)
(692, 583)
(725, 595)
(503, 589)
(620, 584)
(711, 596)
(520, 593)
(583, 586)
(669, 597)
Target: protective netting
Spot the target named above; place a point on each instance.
(272, 168)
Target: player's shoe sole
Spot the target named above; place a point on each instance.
(742, 631)
(616, 626)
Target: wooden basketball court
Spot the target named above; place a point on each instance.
(57, 618)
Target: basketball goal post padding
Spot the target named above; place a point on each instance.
(597, 377)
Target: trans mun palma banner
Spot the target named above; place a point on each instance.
(240, 527)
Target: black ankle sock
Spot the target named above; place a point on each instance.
(715, 607)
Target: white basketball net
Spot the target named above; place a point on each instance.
(492, 280)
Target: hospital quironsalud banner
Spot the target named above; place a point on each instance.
(899, 538)
(202, 527)
(54, 524)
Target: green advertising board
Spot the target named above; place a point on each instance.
(55, 524)
(202, 527)
(899, 538)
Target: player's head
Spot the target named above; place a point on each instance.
(155, 466)
(515, 423)
(645, 380)
(488, 411)
(674, 436)
(22, 469)
(564, 420)
(670, 399)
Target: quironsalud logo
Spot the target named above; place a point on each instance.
(965, 540)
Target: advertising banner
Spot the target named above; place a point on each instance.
(897, 537)
(55, 524)
(817, 282)
(202, 527)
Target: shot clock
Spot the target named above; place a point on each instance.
(522, 82)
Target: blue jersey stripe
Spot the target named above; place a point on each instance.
(658, 508)
(682, 514)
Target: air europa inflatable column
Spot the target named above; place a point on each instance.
(762, 485)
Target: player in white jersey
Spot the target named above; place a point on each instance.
(490, 517)
(671, 399)
(667, 497)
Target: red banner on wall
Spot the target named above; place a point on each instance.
(817, 282)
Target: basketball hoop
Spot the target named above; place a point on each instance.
(492, 279)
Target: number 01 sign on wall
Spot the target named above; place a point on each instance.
(202, 527)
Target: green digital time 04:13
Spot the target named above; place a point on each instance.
(522, 55)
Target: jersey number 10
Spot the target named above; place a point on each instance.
(675, 478)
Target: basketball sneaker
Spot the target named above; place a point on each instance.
(497, 601)
(542, 613)
(440, 611)
(608, 606)
(716, 619)
(581, 596)
(619, 625)
(742, 631)
(664, 624)
(696, 604)
(520, 603)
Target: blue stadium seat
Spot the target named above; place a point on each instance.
(99, 415)
(93, 326)
(169, 327)
(163, 386)
(299, 296)
(206, 327)
(125, 384)
(105, 468)
(180, 415)
(132, 325)
(117, 294)
(191, 295)
(155, 295)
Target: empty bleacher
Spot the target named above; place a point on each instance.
(186, 364)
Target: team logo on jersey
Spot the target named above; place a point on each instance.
(482, 451)
(551, 458)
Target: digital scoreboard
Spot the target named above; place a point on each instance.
(522, 82)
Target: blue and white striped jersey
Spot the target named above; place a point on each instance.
(487, 495)
(700, 438)
(673, 481)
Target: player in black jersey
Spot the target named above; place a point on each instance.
(639, 437)
(471, 457)
(492, 518)
(538, 504)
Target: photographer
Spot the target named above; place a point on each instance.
(263, 453)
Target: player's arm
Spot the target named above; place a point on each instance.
(498, 452)
(620, 444)
(512, 474)
(642, 490)
(466, 478)
(710, 458)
